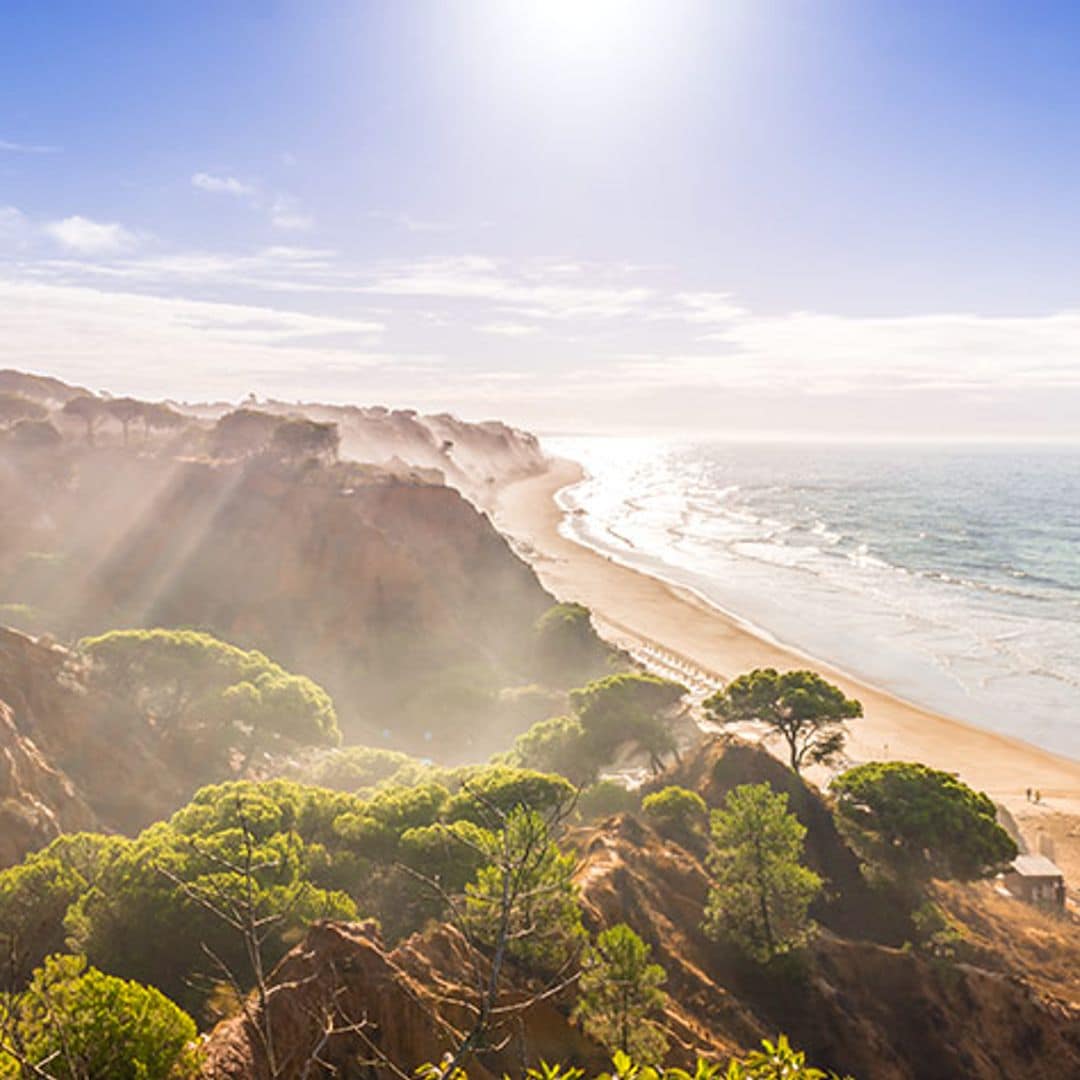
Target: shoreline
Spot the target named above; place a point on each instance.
(630, 604)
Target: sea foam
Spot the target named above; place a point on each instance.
(948, 575)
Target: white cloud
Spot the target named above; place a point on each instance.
(708, 307)
(283, 211)
(285, 214)
(169, 345)
(588, 327)
(806, 352)
(510, 329)
(526, 290)
(26, 148)
(226, 185)
(14, 226)
(87, 237)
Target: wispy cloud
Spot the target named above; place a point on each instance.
(510, 329)
(154, 343)
(26, 148)
(411, 223)
(87, 237)
(707, 307)
(594, 333)
(526, 290)
(285, 214)
(14, 225)
(225, 185)
(282, 210)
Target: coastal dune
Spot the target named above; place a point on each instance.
(631, 608)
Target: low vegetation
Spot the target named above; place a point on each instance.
(917, 822)
(674, 811)
(72, 1022)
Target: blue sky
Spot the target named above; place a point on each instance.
(745, 217)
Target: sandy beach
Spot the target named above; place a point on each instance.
(629, 605)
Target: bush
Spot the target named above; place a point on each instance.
(676, 812)
(500, 789)
(353, 768)
(567, 647)
(74, 1022)
(605, 798)
(920, 822)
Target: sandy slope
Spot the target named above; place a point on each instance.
(629, 605)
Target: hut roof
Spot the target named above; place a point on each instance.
(1035, 866)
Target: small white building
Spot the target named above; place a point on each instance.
(1037, 880)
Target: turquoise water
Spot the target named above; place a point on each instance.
(948, 575)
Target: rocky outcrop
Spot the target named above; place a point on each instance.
(392, 1010)
(854, 1004)
(471, 457)
(37, 800)
(67, 761)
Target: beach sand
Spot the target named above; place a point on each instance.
(631, 606)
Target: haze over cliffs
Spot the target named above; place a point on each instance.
(369, 573)
(280, 652)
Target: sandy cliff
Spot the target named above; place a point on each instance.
(857, 1003)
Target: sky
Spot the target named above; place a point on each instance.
(811, 218)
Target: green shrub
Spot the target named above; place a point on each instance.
(74, 1022)
(606, 798)
(676, 812)
(920, 822)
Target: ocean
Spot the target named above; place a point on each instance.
(949, 575)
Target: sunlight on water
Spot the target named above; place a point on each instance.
(948, 575)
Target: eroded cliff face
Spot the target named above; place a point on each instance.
(37, 801)
(394, 593)
(68, 762)
(374, 588)
(853, 1003)
(471, 457)
(394, 1010)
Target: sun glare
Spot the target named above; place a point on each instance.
(572, 25)
(581, 62)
